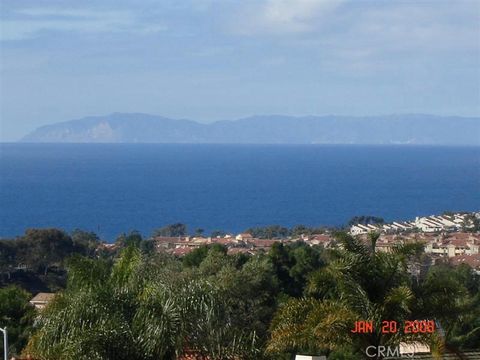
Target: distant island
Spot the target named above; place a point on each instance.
(414, 129)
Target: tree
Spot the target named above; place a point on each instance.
(268, 232)
(7, 256)
(451, 297)
(468, 278)
(134, 238)
(195, 257)
(365, 220)
(306, 260)
(85, 242)
(172, 230)
(147, 246)
(43, 253)
(373, 236)
(359, 284)
(42, 248)
(471, 223)
(17, 315)
(250, 293)
(137, 310)
(293, 263)
(281, 260)
(298, 230)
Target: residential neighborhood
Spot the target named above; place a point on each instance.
(443, 246)
(443, 236)
(426, 224)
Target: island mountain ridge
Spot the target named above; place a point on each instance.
(412, 129)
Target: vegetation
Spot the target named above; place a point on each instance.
(268, 232)
(35, 261)
(356, 284)
(472, 223)
(16, 315)
(134, 238)
(365, 220)
(277, 231)
(146, 308)
(260, 232)
(135, 303)
(172, 230)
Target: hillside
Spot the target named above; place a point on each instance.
(271, 129)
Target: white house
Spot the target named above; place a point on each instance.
(360, 229)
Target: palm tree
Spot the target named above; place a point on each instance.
(358, 285)
(373, 236)
(135, 310)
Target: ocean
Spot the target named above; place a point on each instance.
(116, 188)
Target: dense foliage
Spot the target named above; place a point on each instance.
(16, 315)
(177, 229)
(36, 260)
(278, 232)
(139, 304)
(145, 307)
(365, 220)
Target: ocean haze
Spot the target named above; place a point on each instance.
(414, 129)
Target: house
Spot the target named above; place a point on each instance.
(244, 237)
(167, 242)
(360, 229)
(454, 244)
(41, 300)
(436, 223)
(428, 224)
(404, 226)
(472, 260)
(263, 244)
(318, 239)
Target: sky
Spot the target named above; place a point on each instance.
(212, 60)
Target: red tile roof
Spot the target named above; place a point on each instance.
(262, 242)
(169, 239)
(321, 237)
(458, 242)
(223, 241)
(462, 235)
(246, 235)
(472, 260)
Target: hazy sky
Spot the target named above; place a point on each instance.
(210, 60)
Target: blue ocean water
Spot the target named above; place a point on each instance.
(112, 189)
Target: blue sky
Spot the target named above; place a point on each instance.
(210, 60)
